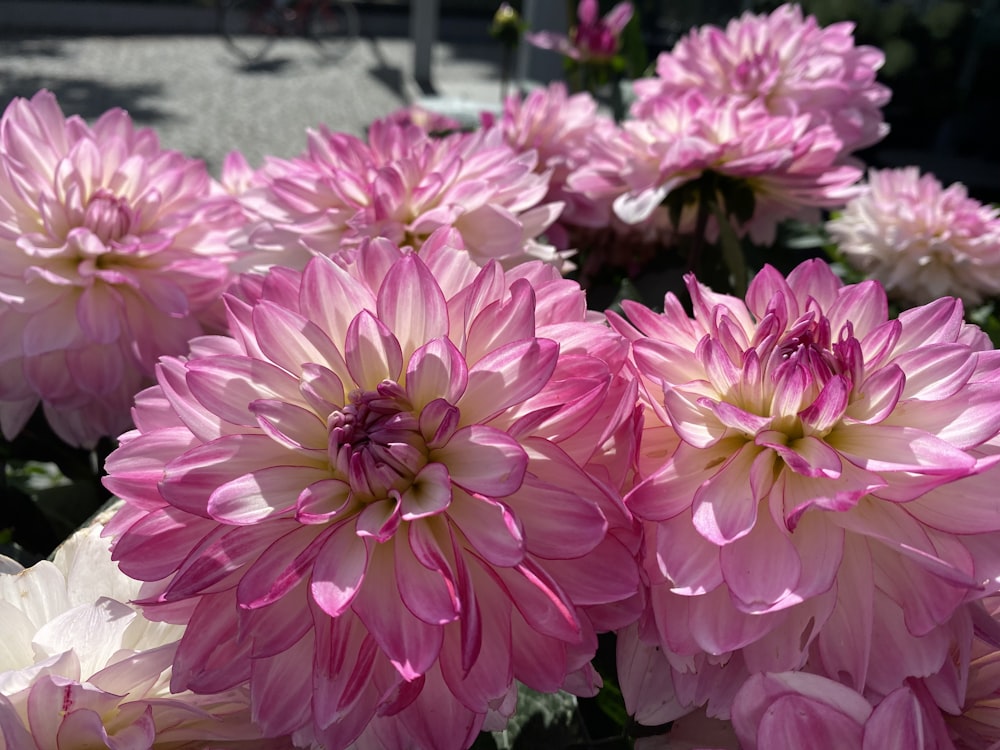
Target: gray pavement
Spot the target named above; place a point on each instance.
(203, 101)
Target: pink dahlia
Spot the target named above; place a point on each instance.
(791, 167)
(594, 38)
(81, 668)
(816, 480)
(389, 496)
(559, 128)
(921, 239)
(401, 184)
(785, 62)
(113, 251)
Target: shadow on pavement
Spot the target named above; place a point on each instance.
(88, 97)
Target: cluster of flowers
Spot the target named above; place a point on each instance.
(379, 464)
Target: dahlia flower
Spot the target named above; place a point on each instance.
(392, 493)
(113, 251)
(401, 184)
(921, 239)
(559, 128)
(791, 167)
(785, 62)
(80, 668)
(594, 38)
(815, 479)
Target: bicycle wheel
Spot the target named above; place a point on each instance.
(247, 27)
(334, 26)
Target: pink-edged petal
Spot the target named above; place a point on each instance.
(322, 388)
(688, 561)
(217, 558)
(540, 600)
(507, 376)
(322, 500)
(691, 416)
(490, 527)
(878, 396)
(261, 494)
(716, 626)
(725, 507)
(477, 676)
(844, 644)
(209, 658)
(808, 456)
(429, 592)
(502, 322)
(884, 447)
(897, 723)
(797, 709)
(980, 506)
(798, 493)
(411, 644)
(428, 494)
(227, 385)
(671, 488)
(372, 352)
(290, 425)
(936, 372)
(281, 566)
(828, 408)
(483, 459)
(156, 544)
(762, 568)
(436, 370)
(280, 695)
(412, 305)
(98, 310)
(85, 726)
(289, 340)
(379, 520)
(735, 418)
(546, 511)
(332, 297)
(190, 479)
(339, 570)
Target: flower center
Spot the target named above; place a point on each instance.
(375, 443)
(808, 345)
(108, 216)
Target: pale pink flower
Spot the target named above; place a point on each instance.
(593, 38)
(815, 478)
(785, 62)
(791, 167)
(401, 184)
(390, 495)
(82, 668)
(965, 690)
(112, 253)
(921, 239)
(559, 127)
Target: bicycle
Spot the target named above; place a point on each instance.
(251, 27)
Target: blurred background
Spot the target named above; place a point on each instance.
(163, 62)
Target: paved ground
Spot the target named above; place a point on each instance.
(202, 101)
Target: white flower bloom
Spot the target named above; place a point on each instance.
(80, 667)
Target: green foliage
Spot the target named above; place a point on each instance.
(542, 722)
